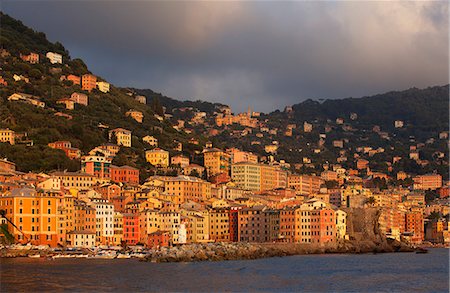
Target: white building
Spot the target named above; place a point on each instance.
(54, 57)
(104, 221)
(398, 123)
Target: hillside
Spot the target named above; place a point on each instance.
(43, 127)
(424, 108)
(192, 123)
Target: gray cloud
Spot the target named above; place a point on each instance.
(260, 54)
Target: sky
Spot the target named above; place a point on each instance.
(259, 54)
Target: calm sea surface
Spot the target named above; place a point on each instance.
(400, 272)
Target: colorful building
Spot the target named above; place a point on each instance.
(88, 82)
(125, 174)
(34, 213)
(157, 157)
(7, 135)
(122, 136)
(216, 161)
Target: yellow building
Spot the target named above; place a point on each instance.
(75, 180)
(81, 239)
(187, 188)
(34, 213)
(246, 176)
(268, 177)
(122, 136)
(7, 135)
(198, 224)
(341, 224)
(157, 157)
(118, 228)
(103, 86)
(216, 161)
(150, 140)
(219, 225)
(136, 115)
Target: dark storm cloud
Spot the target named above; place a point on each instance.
(265, 55)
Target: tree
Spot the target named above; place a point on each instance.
(156, 106)
(194, 173)
(371, 200)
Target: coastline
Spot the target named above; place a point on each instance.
(215, 251)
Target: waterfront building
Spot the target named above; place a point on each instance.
(34, 213)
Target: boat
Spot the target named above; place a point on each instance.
(81, 256)
(122, 255)
(104, 255)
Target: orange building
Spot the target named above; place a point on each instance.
(33, 58)
(428, 181)
(66, 146)
(125, 174)
(362, 164)
(414, 224)
(323, 225)
(88, 82)
(158, 239)
(84, 216)
(287, 224)
(34, 213)
(74, 79)
(305, 184)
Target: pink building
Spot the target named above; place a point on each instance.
(79, 98)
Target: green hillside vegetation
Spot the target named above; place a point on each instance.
(426, 109)
(43, 127)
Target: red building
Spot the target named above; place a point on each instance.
(220, 178)
(444, 191)
(323, 225)
(125, 174)
(99, 166)
(234, 223)
(66, 146)
(158, 239)
(131, 233)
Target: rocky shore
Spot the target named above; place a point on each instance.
(213, 251)
(242, 251)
